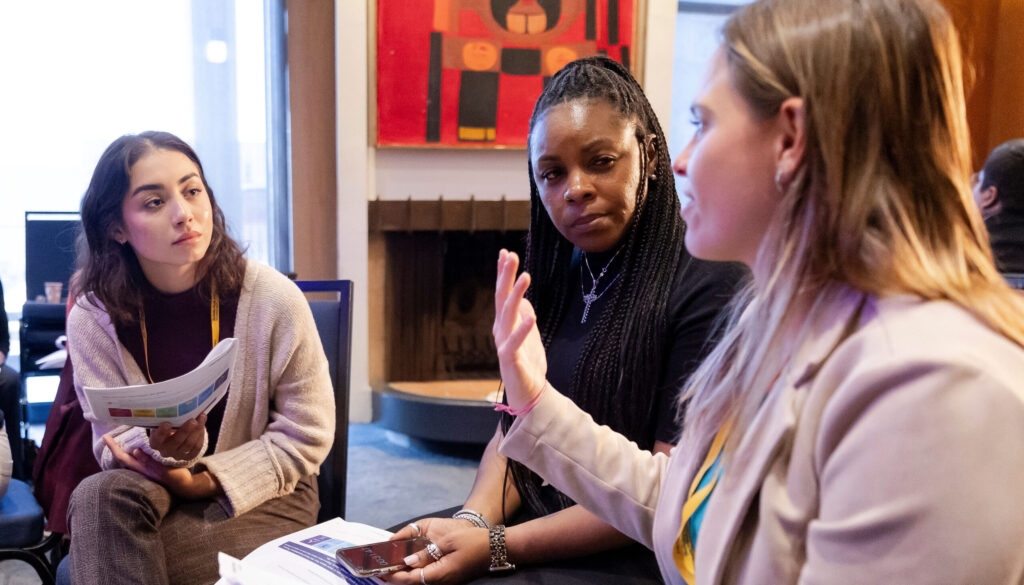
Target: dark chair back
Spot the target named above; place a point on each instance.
(1015, 280)
(41, 325)
(334, 323)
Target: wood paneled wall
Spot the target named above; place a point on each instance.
(991, 31)
(311, 75)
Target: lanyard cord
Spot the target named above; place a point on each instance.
(214, 327)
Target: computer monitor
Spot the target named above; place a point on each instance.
(49, 249)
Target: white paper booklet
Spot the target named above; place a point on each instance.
(304, 557)
(176, 400)
(53, 360)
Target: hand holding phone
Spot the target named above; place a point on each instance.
(380, 558)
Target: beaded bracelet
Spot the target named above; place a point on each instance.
(524, 410)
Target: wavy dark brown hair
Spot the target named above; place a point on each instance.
(110, 272)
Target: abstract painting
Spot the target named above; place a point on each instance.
(465, 73)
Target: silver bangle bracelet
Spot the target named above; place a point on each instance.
(475, 518)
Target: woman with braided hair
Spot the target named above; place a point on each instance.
(625, 313)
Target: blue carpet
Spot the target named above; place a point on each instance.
(392, 478)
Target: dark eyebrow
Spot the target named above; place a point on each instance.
(141, 188)
(154, 186)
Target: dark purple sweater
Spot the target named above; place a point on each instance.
(178, 332)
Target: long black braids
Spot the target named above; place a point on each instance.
(624, 355)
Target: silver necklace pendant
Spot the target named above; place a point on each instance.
(593, 295)
(588, 298)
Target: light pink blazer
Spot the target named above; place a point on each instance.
(899, 459)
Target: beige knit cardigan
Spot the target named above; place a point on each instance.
(279, 419)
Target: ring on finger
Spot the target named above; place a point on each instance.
(422, 578)
(434, 551)
(416, 527)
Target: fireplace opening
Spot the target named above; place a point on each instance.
(433, 362)
(440, 303)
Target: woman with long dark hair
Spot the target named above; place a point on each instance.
(625, 314)
(162, 283)
(862, 418)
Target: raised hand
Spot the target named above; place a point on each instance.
(521, 358)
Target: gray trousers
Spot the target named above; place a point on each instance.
(128, 529)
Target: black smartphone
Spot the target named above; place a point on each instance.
(380, 558)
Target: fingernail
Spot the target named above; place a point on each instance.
(409, 560)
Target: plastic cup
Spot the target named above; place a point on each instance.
(53, 291)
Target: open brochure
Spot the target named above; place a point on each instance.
(305, 557)
(175, 401)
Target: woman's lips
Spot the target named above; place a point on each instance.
(586, 220)
(189, 237)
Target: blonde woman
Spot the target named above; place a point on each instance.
(862, 420)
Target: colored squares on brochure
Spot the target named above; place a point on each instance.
(188, 406)
(167, 412)
(221, 379)
(206, 394)
(119, 411)
(143, 413)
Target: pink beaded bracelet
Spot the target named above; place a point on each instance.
(519, 412)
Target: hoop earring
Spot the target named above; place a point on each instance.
(778, 182)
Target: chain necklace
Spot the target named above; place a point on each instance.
(593, 295)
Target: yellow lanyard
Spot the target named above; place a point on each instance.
(214, 327)
(683, 551)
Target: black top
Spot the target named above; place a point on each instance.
(179, 338)
(5, 334)
(1006, 232)
(699, 293)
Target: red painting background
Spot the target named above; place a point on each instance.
(403, 59)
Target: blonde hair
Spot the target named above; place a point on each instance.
(881, 202)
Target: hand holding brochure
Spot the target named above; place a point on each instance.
(175, 401)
